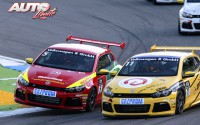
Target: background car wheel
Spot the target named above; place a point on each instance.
(91, 100)
(180, 101)
(155, 2)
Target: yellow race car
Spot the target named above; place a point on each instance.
(155, 83)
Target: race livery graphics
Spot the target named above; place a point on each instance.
(68, 76)
(189, 17)
(154, 83)
(42, 9)
(167, 1)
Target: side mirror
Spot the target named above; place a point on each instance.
(189, 74)
(29, 60)
(113, 73)
(180, 1)
(103, 72)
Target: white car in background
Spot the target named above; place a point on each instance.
(189, 17)
(155, 2)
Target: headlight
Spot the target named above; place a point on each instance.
(76, 89)
(108, 93)
(186, 15)
(23, 81)
(166, 92)
(163, 93)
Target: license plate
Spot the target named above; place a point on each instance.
(44, 92)
(131, 101)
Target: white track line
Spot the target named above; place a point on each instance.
(4, 79)
(7, 61)
(21, 111)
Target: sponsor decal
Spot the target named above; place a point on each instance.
(49, 78)
(198, 85)
(150, 87)
(100, 84)
(42, 9)
(161, 89)
(156, 59)
(84, 97)
(57, 82)
(56, 72)
(83, 81)
(187, 88)
(72, 53)
(135, 82)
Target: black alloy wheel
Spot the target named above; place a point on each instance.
(180, 101)
(91, 100)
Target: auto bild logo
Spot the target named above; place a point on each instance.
(42, 9)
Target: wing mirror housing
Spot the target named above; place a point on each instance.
(189, 74)
(29, 60)
(103, 72)
(113, 73)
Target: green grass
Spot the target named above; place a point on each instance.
(10, 107)
(8, 73)
(8, 85)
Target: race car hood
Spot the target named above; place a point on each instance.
(56, 77)
(121, 84)
(192, 8)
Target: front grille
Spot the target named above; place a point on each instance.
(132, 108)
(197, 26)
(160, 107)
(44, 99)
(20, 94)
(187, 25)
(195, 16)
(73, 102)
(128, 95)
(107, 107)
(47, 87)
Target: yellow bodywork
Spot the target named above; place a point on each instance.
(156, 84)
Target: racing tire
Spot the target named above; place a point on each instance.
(91, 100)
(180, 101)
(155, 2)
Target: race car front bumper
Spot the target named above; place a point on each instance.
(152, 107)
(189, 24)
(170, 1)
(63, 100)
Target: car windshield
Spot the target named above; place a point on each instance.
(68, 60)
(150, 66)
(193, 1)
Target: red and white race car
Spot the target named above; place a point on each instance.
(68, 76)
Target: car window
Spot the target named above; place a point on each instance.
(68, 60)
(150, 66)
(105, 61)
(190, 64)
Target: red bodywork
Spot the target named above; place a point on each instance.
(60, 79)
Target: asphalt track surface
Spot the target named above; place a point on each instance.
(138, 22)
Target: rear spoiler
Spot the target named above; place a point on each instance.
(165, 48)
(81, 40)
